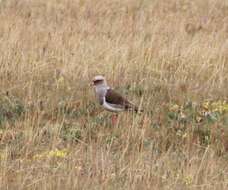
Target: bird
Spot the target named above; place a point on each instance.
(109, 99)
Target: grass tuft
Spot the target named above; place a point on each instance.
(168, 56)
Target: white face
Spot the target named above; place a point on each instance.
(99, 81)
(98, 77)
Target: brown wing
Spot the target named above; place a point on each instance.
(113, 97)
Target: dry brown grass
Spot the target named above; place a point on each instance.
(158, 53)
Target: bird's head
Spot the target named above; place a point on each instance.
(99, 80)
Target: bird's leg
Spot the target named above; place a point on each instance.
(114, 119)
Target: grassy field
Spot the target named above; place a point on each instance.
(168, 56)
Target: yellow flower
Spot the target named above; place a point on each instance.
(216, 106)
(174, 107)
(188, 180)
(220, 106)
(38, 156)
(51, 154)
(57, 153)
